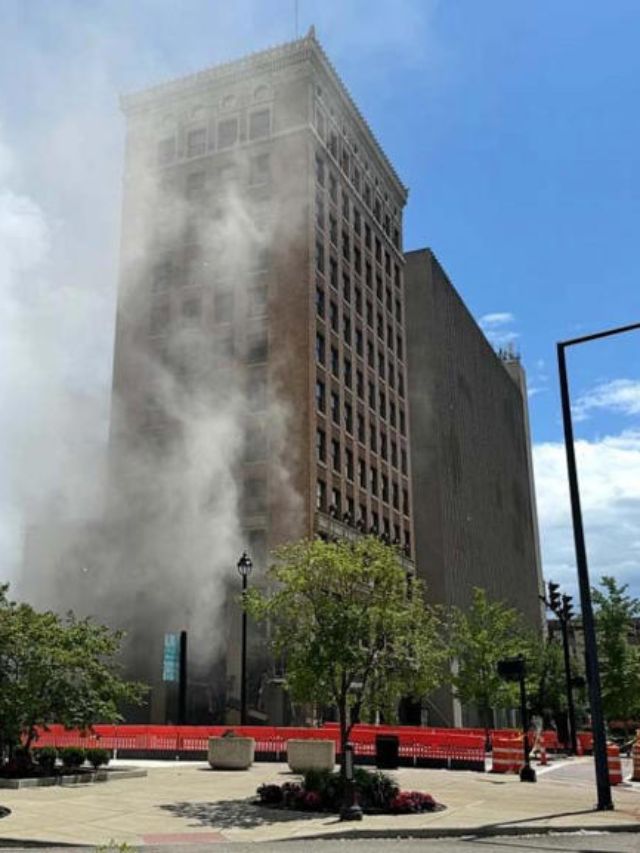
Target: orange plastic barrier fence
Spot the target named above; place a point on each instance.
(508, 755)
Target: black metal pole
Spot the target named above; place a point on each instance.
(182, 681)
(527, 774)
(243, 668)
(605, 801)
(567, 672)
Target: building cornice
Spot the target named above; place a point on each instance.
(276, 58)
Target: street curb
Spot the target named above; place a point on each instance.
(492, 831)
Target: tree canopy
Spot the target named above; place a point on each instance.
(619, 660)
(356, 632)
(56, 670)
(482, 635)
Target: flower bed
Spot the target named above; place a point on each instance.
(48, 762)
(323, 791)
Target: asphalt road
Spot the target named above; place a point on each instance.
(553, 843)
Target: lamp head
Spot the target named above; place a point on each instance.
(245, 565)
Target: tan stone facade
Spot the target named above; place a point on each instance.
(261, 311)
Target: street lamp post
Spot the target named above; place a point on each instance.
(245, 566)
(605, 801)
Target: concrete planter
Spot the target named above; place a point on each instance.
(311, 755)
(231, 753)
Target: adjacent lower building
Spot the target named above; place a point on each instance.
(474, 499)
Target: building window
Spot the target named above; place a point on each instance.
(333, 143)
(351, 508)
(321, 446)
(367, 235)
(320, 170)
(223, 307)
(333, 188)
(335, 407)
(259, 125)
(257, 346)
(335, 454)
(257, 301)
(347, 373)
(394, 454)
(333, 316)
(396, 496)
(333, 229)
(380, 326)
(357, 259)
(333, 273)
(320, 396)
(346, 287)
(346, 246)
(369, 313)
(385, 488)
(348, 464)
(160, 318)
(398, 311)
(373, 481)
(405, 502)
(356, 179)
(360, 384)
(346, 330)
(362, 474)
(259, 170)
(358, 301)
(166, 151)
(335, 362)
(162, 276)
(403, 421)
(320, 348)
(196, 142)
(401, 383)
(361, 436)
(320, 257)
(227, 133)
(255, 496)
(359, 341)
(320, 303)
(378, 250)
(373, 439)
(399, 346)
(392, 414)
(371, 354)
(348, 418)
(345, 205)
(321, 495)
(382, 404)
(403, 457)
(192, 308)
(379, 287)
(256, 444)
(320, 212)
(257, 390)
(372, 396)
(357, 221)
(336, 502)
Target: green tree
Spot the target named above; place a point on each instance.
(56, 670)
(614, 613)
(481, 636)
(354, 631)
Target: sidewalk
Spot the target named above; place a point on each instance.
(182, 803)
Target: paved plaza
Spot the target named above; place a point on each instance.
(180, 803)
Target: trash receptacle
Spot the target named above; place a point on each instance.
(387, 747)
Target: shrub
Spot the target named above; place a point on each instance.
(73, 757)
(376, 790)
(46, 757)
(408, 802)
(270, 795)
(98, 757)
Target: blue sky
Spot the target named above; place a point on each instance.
(514, 125)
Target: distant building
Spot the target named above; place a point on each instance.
(474, 500)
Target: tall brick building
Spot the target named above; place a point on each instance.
(262, 276)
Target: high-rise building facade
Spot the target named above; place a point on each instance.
(260, 378)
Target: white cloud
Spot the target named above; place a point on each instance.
(609, 477)
(497, 328)
(619, 395)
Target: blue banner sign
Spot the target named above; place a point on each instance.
(171, 658)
